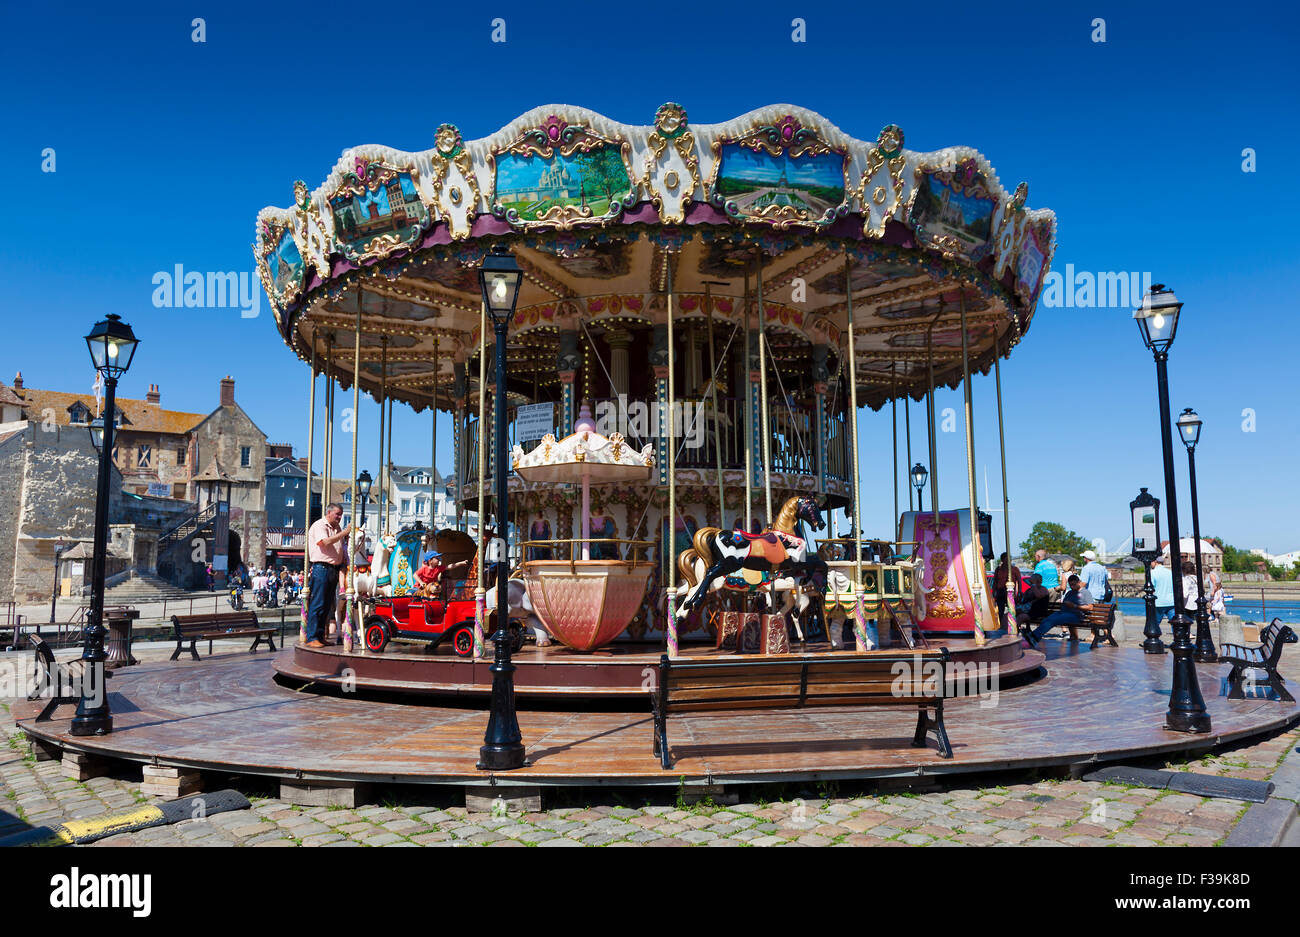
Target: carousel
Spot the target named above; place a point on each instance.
(689, 319)
(701, 311)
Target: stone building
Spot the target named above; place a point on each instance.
(152, 445)
(228, 445)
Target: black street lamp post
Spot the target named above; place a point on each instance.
(503, 749)
(1189, 425)
(1145, 510)
(112, 344)
(919, 475)
(1158, 321)
(364, 483)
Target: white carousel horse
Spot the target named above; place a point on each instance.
(775, 553)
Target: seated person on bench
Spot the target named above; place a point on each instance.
(1071, 612)
(1033, 603)
(430, 575)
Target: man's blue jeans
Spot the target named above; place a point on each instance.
(324, 583)
(1062, 618)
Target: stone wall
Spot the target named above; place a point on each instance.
(56, 481)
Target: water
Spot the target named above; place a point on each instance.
(1245, 607)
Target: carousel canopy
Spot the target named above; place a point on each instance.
(584, 455)
(606, 218)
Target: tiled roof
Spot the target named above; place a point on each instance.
(8, 397)
(139, 415)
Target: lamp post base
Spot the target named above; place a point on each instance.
(92, 723)
(1154, 645)
(502, 748)
(1187, 722)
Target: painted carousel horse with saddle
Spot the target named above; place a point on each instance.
(774, 561)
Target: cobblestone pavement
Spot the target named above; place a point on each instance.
(990, 810)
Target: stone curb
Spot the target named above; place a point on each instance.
(1267, 824)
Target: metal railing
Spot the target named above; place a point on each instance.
(602, 549)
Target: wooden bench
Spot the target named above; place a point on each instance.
(62, 676)
(1099, 616)
(209, 627)
(740, 683)
(1265, 657)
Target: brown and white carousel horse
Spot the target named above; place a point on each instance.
(775, 560)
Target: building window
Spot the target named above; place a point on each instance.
(245, 457)
(406, 505)
(288, 521)
(286, 540)
(288, 502)
(347, 497)
(282, 483)
(180, 457)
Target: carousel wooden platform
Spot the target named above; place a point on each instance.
(617, 671)
(227, 714)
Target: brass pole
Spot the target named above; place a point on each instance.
(893, 419)
(1013, 626)
(672, 471)
(977, 592)
(383, 404)
(859, 621)
(713, 385)
(749, 421)
(481, 591)
(433, 466)
(929, 419)
(762, 382)
(306, 527)
(388, 462)
(350, 639)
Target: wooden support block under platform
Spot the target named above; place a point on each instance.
(480, 799)
(169, 782)
(82, 767)
(315, 793)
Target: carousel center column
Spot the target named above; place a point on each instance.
(566, 362)
(619, 342)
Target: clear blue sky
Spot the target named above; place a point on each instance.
(167, 148)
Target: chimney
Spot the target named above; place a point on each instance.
(153, 396)
(18, 381)
(227, 391)
(302, 462)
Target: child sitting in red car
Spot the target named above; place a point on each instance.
(430, 574)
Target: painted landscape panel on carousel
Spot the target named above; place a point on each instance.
(535, 185)
(286, 264)
(951, 210)
(760, 184)
(394, 209)
(1029, 265)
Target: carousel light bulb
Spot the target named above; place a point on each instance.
(499, 288)
(1158, 321)
(112, 349)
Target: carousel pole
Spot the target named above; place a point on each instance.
(1012, 626)
(350, 638)
(929, 424)
(859, 614)
(907, 426)
(383, 404)
(977, 593)
(749, 420)
(713, 388)
(328, 441)
(388, 462)
(762, 380)
(433, 464)
(306, 547)
(893, 418)
(480, 591)
(672, 470)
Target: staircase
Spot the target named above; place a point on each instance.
(175, 546)
(143, 588)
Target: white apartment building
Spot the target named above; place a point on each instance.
(409, 500)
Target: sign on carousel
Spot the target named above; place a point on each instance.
(534, 420)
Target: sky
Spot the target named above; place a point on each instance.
(165, 149)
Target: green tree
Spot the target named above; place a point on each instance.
(1054, 538)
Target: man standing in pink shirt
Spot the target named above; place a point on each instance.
(325, 550)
